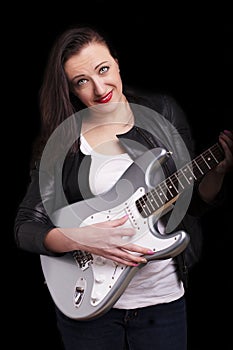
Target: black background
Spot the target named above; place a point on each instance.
(184, 51)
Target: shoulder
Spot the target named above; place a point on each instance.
(168, 107)
(163, 103)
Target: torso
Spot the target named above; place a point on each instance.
(103, 139)
(100, 132)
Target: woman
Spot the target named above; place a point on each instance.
(93, 129)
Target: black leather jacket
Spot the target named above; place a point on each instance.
(172, 132)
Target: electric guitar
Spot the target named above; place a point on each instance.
(83, 285)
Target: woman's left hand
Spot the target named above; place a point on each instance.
(213, 180)
(226, 141)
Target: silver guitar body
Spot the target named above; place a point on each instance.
(83, 285)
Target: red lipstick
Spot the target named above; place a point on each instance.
(106, 98)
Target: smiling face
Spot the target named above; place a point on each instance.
(94, 75)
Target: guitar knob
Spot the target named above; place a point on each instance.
(96, 297)
(100, 278)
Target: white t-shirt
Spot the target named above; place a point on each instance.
(157, 281)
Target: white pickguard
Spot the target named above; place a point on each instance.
(106, 272)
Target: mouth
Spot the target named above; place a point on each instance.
(106, 98)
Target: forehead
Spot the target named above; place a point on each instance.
(89, 57)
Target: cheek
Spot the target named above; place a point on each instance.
(118, 80)
(83, 95)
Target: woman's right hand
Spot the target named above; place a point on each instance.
(107, 239)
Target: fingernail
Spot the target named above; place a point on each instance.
(143, 260)
(150, 252)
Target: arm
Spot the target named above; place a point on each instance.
(35, 232)
(210, 190)
(32, 222)
(103, 239)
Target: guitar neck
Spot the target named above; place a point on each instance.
(169, 189)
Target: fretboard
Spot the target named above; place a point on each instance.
(169, 189)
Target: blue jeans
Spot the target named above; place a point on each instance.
(160, 327)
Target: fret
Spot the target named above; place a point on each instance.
(169, 190)
(152, 193)
(191, 171)
(214, 157)
(186, 178)
(150, 202)
(142, 206)
(205, 164)
(177, 182)
(170, 186)
(196, 167)
(145, 204)
(168, 193)
(180, 175)
(163, 193)
(161, 200)
(172, 182)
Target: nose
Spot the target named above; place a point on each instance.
(99, 86)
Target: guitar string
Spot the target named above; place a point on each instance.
(197, 164)
(146, 202)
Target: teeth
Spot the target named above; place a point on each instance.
(105, 98)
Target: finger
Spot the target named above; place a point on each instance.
(227, 147)
(111, 223)
(126, 258)
(123, 233)
(121, 237)
(229, 133)
(120, 221)
(139, 249)
(227, 137)
(123, 261)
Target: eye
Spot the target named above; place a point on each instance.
(81, 82)
(104, 69)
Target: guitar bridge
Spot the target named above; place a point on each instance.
(82, 258)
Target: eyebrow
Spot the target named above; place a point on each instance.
(82, 75)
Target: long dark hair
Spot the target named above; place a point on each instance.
(56, 100)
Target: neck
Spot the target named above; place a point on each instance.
(118, 113)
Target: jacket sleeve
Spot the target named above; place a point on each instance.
(32, 223)
(192, 221)
(178, 118)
